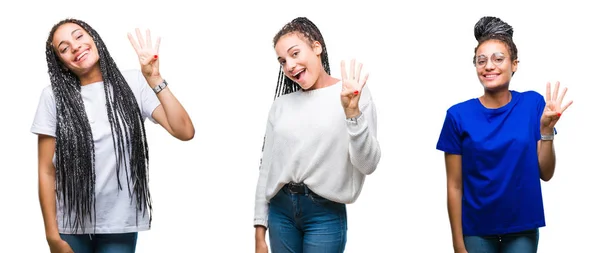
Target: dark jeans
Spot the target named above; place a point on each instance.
(521, 242)
(101, 243)
(306, 223)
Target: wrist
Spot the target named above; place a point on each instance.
(547, 134)
(547, 131)
(352, 113)
(153, 81)
(53, 238)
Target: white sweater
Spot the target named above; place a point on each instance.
(309, 140)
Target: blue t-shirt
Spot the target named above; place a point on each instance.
(500, 171)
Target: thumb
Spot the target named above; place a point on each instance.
(350, 93)
(552, 114)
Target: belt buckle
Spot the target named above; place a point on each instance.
(296, 188)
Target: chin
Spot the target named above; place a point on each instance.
(305, 87)
(495, 87)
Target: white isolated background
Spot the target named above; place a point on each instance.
(219, 60)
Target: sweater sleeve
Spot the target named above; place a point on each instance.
(261, 206)
(364, 148)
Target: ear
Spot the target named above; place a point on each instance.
(515, 64)
(316, 46)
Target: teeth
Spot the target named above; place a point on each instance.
(81, 55)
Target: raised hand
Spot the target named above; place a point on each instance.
(554, 107)
(147, 54)
(352, 85)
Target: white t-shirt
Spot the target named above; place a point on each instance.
(115, 210)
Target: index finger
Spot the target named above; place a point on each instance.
(566, 106)
(157, 44)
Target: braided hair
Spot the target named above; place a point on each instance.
(307, 29)
(75, 155)
(493, 28)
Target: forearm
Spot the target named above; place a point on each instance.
(455, 216)
(364, 149)
(47, 198)
(261, 207)
(260, 233)
(176, 115)
(546, 159)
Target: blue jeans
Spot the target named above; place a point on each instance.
(306, 223)
(521, 242)
(101, 243)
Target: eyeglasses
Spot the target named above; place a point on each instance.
(482, 60)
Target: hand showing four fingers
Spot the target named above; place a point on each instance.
(352, 85)
(554, 108)
(147, 54)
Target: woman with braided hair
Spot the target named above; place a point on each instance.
(92, 147)
(497, 148)
(316, 153)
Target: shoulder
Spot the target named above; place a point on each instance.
(529, 97)
(47, 90)
(287, 98)
(534, 95)
(463, 106)
(47, 93)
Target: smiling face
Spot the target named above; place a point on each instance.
(494, 65)
(75, 48)
(300, 59)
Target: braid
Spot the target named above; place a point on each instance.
(311, 32)
(75, 156)
(493, 28)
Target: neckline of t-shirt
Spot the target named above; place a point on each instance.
(513, 99)
(310, 92)
(92, 85)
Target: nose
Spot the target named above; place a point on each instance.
(290, 66)
(75, 47)
(489, 65)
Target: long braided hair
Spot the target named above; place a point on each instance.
(75, 155)
(306, 28)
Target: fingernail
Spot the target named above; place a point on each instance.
(558, 114)
(155, 56)
(355, 92)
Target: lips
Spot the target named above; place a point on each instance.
(491, 76)
(82, 55)
(298, 74)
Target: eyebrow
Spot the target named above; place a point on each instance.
(279, 58)
(496, 53)
(62, 41)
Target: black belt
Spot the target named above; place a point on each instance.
(297, 188)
